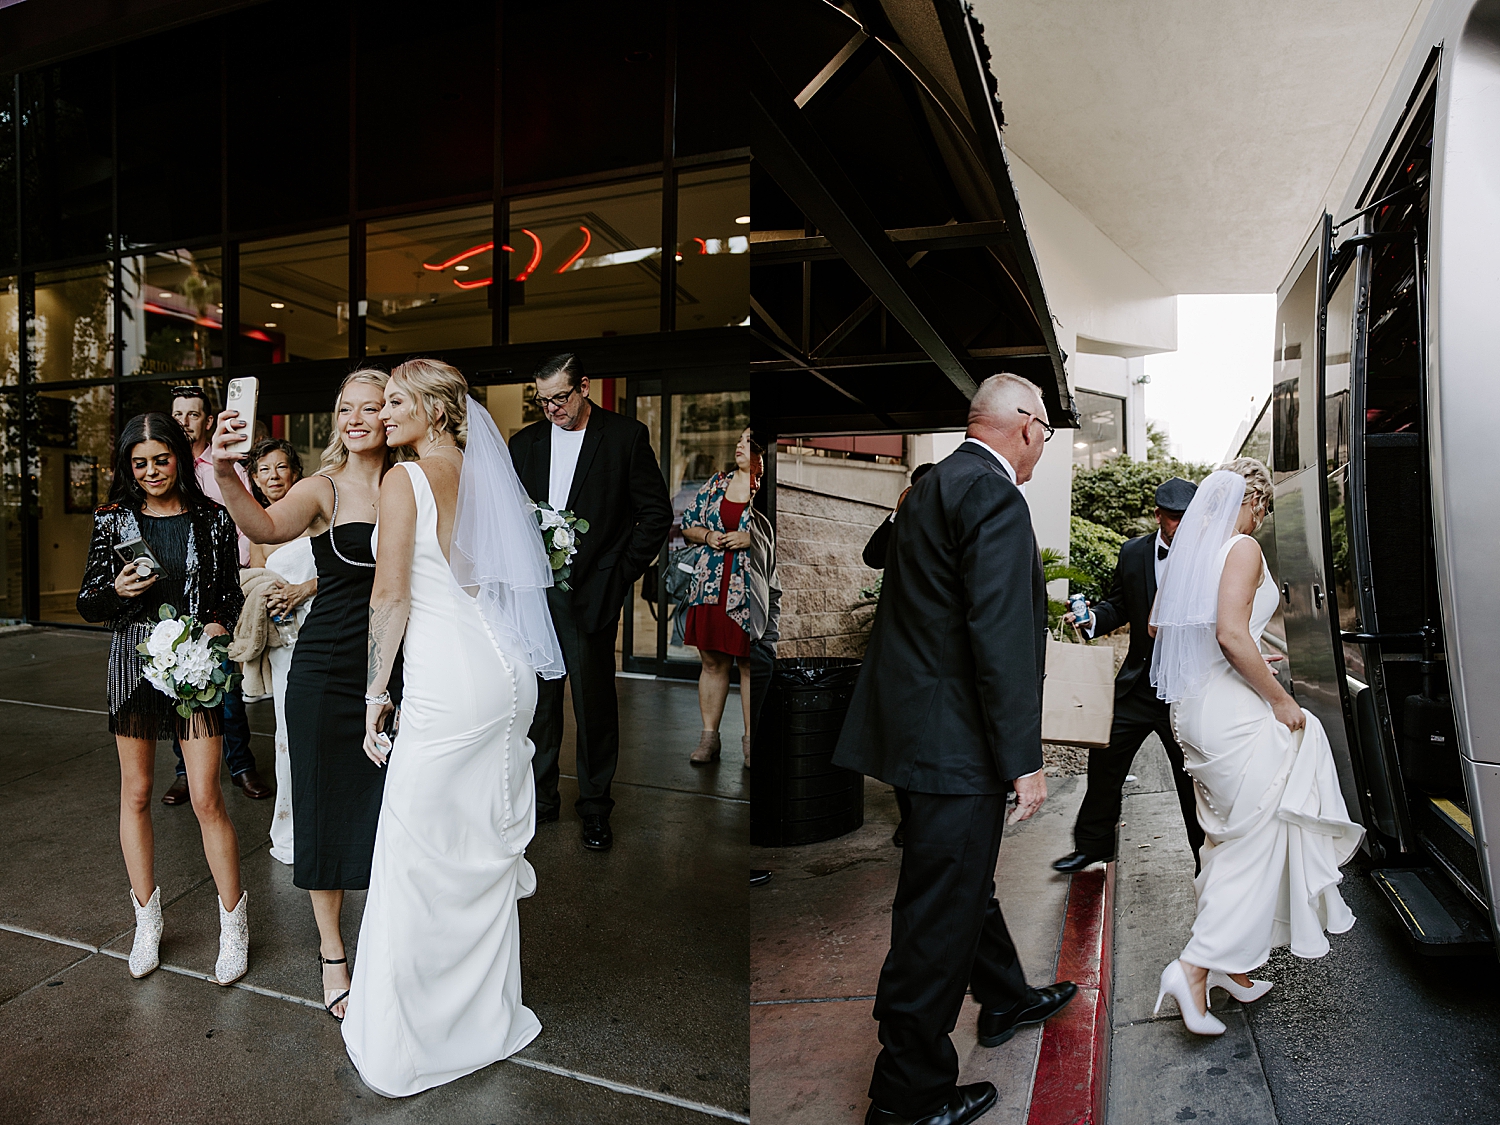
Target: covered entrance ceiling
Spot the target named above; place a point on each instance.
(1202, 138)
(890, 268)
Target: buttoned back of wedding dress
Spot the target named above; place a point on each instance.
(437, 976)
(1274, 815)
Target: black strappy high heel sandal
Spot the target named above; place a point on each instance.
(328, 1004)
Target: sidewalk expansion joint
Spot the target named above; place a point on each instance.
(810, 1000)
(562, 1072)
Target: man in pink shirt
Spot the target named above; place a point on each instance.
(191, 411)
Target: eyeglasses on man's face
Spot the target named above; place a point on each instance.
(1049, 430)
(557, 402)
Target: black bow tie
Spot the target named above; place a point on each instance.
(1161, 552)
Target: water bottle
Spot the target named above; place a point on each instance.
(1080, 608)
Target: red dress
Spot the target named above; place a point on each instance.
(709, 626)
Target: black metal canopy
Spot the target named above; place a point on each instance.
(890, 268)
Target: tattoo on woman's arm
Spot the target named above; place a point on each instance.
(380, 620)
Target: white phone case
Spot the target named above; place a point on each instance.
(242, 396)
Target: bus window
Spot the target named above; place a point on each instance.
(1338, 344)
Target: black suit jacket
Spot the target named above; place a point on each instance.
(879, 545)
(949, 699)
(1130, 598)
(618, 488)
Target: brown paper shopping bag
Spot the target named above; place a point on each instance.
(1078, 697)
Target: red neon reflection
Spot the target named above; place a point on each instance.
(536, 255)
(702, 247)
(477, 283)
(469, 253)
(162, 310)
(256, 334)
(587, 238)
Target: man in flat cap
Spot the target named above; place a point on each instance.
(1138, 711)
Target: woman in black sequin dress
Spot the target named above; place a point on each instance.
(155, 497)
(336, 789)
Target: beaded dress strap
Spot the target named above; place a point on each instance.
(333, 523)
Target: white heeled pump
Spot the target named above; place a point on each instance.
(1257, 989)
(234, 941)
(143, 951)
(1174, 982)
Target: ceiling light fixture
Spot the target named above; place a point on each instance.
(743, 220)
(278, 304)
(461, 268)
(270, 324)
(165, 296)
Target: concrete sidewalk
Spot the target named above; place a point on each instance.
(633, 959)
(820, 932)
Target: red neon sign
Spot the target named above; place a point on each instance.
(536, 255)
(469, 253)
(587, 238)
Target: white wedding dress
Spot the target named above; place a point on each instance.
(437, 977)
(1270, 804)
(294, 562)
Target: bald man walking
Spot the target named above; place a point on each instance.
(949, 708)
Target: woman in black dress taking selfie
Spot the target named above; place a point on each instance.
(155, 497)
(336, 789)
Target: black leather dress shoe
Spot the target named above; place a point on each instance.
(759, 877)
(1075, 862)
(995, 1027)
(177, 792)
(967, 1104)
(596, 834)
(253, 784)
(546, 816)
(898, 837)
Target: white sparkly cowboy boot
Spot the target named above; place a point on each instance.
(234, 941)
(143, 957)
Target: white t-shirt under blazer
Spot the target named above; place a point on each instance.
(566, 445)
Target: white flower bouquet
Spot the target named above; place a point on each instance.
(187, 666)
(560, 532)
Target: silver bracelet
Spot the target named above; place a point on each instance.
(377, 700)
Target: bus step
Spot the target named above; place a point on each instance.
(1438, 921)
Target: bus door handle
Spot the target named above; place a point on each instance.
(1286, 592)
(1317, 596)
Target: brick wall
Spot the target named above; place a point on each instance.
(819, 540)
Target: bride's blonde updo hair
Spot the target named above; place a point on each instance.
(441, 393)
(335, 456)
(1257, 480)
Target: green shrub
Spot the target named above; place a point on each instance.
(1121, 494)
(1093, 553)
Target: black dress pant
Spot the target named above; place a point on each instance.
(590, 661)
(1099, 815)
(947, 935)
(762, 667)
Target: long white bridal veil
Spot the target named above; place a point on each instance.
(497, 553)
(1187, 604)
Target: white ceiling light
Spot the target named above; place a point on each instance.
(278, 304)
(270, 324)
(460, 268)
(743, 220)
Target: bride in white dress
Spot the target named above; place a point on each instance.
(460, 581)
(1268, 797)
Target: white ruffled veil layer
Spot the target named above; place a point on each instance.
(497, 552)
(1187, 603)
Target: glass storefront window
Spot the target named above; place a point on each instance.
(713, 247)
(643, 621)
(71, 333)
(73, 447)
(67, 146)
(585, 263)
(427, 281)
(12, 605)
(173, 308)
(8, 167)
(294, 297)
(1100, 436)
(10, 331)
(705, 430)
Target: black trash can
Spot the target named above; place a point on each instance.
(797, 795)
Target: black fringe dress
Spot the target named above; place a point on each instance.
(199, 554)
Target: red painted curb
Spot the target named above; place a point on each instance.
(1072, 1067)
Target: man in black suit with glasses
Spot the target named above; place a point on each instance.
(600, 466)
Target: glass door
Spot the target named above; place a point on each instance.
(694, 422)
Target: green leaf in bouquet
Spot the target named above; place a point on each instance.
(207, 694)
(564, 571)
(566, 514)
(557, 559)
(233, 683)
(564, 587)
(581, 527)
(219, 676)
(184, 710)
(143, 648)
